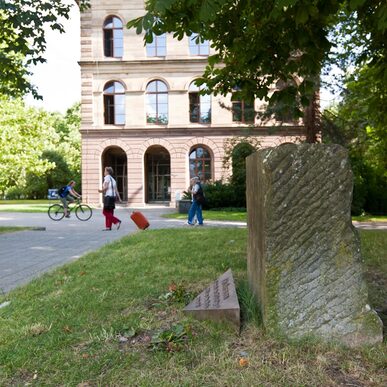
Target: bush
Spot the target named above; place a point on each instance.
(220, 195)
(369, 188)
(14, 193)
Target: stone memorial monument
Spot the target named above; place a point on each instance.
(304, 260)
(218, 302)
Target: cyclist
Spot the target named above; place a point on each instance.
(67, 195)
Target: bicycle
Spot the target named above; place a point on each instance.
(82, 211)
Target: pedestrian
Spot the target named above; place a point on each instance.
(111, 196)
(197, 202)
(67, 194)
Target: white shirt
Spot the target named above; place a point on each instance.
(111, 184)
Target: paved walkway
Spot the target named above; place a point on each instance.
(27, 254)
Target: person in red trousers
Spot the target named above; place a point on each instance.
(111, 196)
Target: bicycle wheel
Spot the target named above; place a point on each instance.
(83, 212)
(56, 212)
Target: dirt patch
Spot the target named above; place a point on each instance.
(141, 339)
(342, 379)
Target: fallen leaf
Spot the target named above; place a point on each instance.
(243, 362)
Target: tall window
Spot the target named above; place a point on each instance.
(243, 111)
(199, 105)
(200, 163)
(158, 47)
(113, 42)
(157, 103)
(198, 47)
(114, 103)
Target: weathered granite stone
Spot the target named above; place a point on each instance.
(218, 302)
(304, 260)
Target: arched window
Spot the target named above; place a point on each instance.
(113, 42)
(200, 163)
(158, 47)
(157, 103)
(114, 103)
(199, 105)
(198, 46)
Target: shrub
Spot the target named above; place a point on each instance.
(220, 195)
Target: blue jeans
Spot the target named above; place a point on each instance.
(195, 208)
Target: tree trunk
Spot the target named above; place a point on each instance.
(312, 119)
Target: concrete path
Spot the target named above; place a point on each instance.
(27, 254)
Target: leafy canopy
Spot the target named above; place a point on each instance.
(261, 43)
(22, 39)
(38, 150)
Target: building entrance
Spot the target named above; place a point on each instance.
(157, 175)
(115, 157)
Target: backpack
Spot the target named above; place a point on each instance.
(61, 191)
(199, 196)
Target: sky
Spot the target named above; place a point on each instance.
(59, 79)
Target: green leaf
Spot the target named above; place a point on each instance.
(355, 4)
(302, 15)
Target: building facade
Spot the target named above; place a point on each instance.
(142, 113)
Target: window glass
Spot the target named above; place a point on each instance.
(108, 23)
(114, 103)
(243, 111)
(200, 163)
(197, 47)
(199, 105)
(158, 47)
(117, 23)
(113, 38)
(157, 103)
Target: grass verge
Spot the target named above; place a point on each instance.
(241, 216)
(109, 319)
(25, 205)
(6, 229)
(370, 218)
(237, 216)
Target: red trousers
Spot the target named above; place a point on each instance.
(110, 218)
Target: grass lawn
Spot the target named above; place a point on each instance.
(112, 318)
(25, 205)
(239, 216)
(370, 218)
(6, 229)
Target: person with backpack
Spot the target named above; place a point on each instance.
(111, 195)
(198, 200)
(67, 194)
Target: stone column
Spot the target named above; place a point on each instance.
(304, 259)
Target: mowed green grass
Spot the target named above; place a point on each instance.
(241, 216)
(7, 229)
(25, 205)
(224, 215)
(65, 328)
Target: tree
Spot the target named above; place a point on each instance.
(263, 43)
(25, 134)
(22, 39)
(69, 146)
(38, 150)
(64, 153)
(355, 124)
